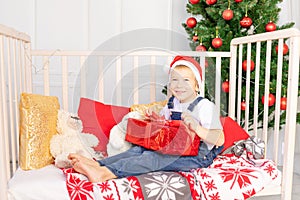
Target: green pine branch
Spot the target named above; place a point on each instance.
(261, 12)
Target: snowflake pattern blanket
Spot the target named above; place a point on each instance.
(229, 177)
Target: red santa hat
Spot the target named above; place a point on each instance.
(190, 63)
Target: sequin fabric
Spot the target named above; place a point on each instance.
(38, 119)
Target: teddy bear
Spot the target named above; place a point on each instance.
(117, 143)
(71, 139)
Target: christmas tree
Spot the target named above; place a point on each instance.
(220, 22)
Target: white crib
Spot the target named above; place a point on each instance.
(63, 73)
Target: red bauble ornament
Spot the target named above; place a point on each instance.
(217, 42)
(225, 86)
(244, 65)
(227, 14)
(243, 105)
(238, 1)
(191, 22)
(283, 102)
(271, 100)
(285, 49)
(194, 1)
(246, 22)
(211, 2)
(201, 47)
(195, 38)
(270, 27)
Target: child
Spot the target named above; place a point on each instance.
(184, 84)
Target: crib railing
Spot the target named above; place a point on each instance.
(15, 77)
(292, 37)
(132, 72)
(138, 76)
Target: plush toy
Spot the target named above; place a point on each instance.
(71, 139)
(117, 143)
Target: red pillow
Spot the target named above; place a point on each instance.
(98, 119)
(232, 131)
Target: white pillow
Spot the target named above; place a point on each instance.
(46, 183)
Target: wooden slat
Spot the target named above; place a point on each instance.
(246, 127)
(83, 76)
(4, 110)
(202, 85)
(23, 67)
(152, 78)
(100, 79)
(46, 76)
(232, 82)
(266, 93)
(20, 63)
(218, 84)
(256, 89)
(10, 105)
(64, 64)
(118, 83)
(28, 66)
(278, 98)
(239, 88)
(15, 100)
(136, 79)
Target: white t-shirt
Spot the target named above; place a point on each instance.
(205, 112)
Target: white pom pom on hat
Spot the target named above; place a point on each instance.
(190, 63)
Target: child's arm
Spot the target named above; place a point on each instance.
(212, 136)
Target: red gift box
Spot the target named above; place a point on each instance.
(168, 136)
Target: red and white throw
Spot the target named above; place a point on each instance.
(229, 177)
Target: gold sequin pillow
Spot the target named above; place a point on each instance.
(141, 108)
(38, 118)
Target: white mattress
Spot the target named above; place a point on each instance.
(49, 183)
(45, 183)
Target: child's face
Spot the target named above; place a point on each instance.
(183, 84)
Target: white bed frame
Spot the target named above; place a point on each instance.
(20, 71)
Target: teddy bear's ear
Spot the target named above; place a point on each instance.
(75, 124)
(59, 113)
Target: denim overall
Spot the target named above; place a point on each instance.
(139, 160)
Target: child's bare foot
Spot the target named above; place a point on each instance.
(91, 169)
(76, 157)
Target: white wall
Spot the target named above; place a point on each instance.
(290, 12)
(86, 24)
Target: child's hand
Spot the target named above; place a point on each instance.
(190, 121)
(148, 112)
(151, 114)
(153, 109)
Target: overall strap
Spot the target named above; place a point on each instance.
(170, 102)
(194, 103)
(191, 106)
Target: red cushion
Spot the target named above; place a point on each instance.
(232, 131)
(98, 119)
